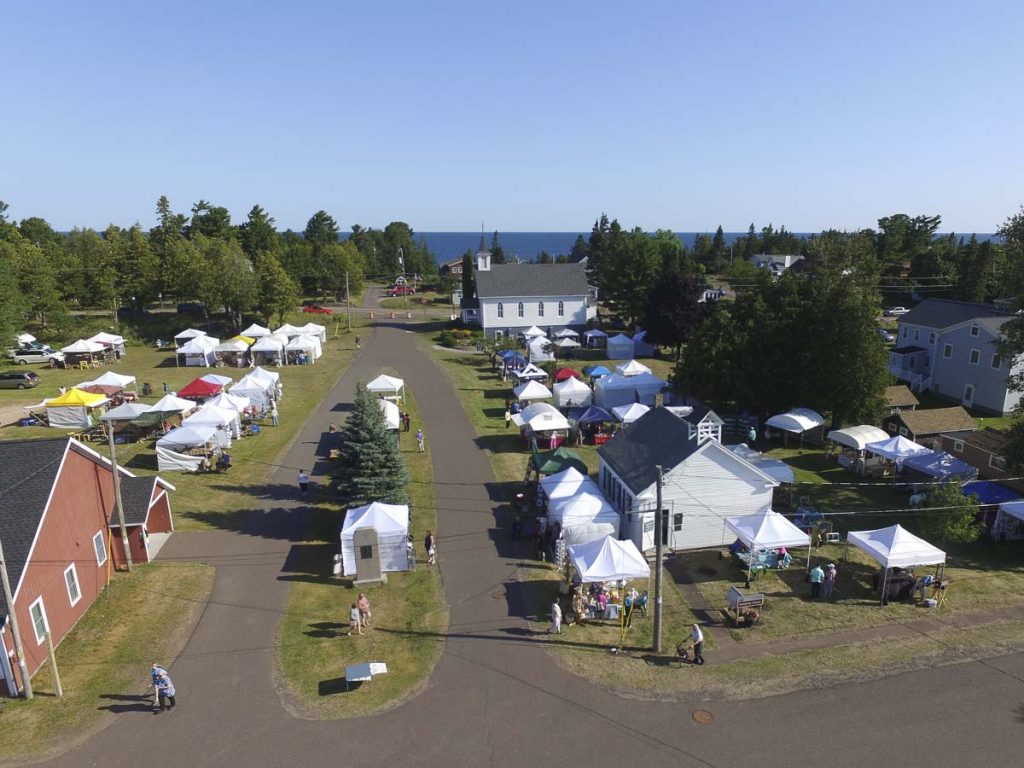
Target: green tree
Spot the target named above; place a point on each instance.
(258, 234)
(628, 271)
(580, 250)
(95, 279)
(321, 229)
(468, 283)
(136, 265)
(276, 292)
(12, 309)
(222, 276)
(37, 280)
(673, 310)
(210, 221)
(497, 252)
(950, 516)
(371, 468)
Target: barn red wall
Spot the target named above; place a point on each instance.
(76, 513)
(160, 513)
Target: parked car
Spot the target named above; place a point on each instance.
(896, 311)
(401, 290)
(43, 355)
(18, 380)
(886, 335)
(317, 309)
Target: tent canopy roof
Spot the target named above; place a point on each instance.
(558, 460)
(596, 333)
(200, 345)
(106, 338)
(567, 483)
(767, 529)
(256, 331)
(541, 417)
(190, 333)
(595, 414)
(303, 342)
(896, 547)
(125, 412)
(858, 437)
(1013, 508)
(567, 343)
(775, 468)
(632, 368)
(236, 403)
(897, 448)
(82, 347)
(530, 371)
(797, 420)
(187, 437)
(564, 373)
(572, 386)
(627, 414)
(110, 379)
(566, 333)
(990, 491)
(941, 465)
(269, 344)
(200, 388)
(75, 397)
(609, 559)
(385, 383)
(392, 415)
(172, 404)
(386, 519)
(533, 331)
(532, 390)
(596, 371)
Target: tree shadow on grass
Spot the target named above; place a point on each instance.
(503, 443)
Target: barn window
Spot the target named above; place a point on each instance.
(520, 309)
(100, 548)
(71, 582)
(39, 623)
(501, 309)
(540, 309)
(677, 521)
(561, 309)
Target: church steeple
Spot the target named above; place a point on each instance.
(483, 253)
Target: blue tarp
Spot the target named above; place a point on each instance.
(940, 465)
(594, 414)
(990, 492)
(596, 371)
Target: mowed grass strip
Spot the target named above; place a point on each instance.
(409, 613)
(145, 616)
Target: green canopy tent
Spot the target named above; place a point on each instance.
(558, 460)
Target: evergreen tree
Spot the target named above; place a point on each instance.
(258, 234)
(580, 250)
(497, 252)
(12, 309)
(275, 290)
(468, 284)
(210, 221)
(371, 467)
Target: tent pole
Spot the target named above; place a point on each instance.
(885, 578)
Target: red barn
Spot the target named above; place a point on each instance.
(61, 539)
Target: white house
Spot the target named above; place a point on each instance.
(512, 297)
(703, 481)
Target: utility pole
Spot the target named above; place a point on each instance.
(58, 689)
(658, 564)
(113, 291)
(26, 682)
(348, 303)
(117, 495)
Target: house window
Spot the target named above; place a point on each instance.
(947, 351)
(997, 361)
(904, 332)
(100, 547)
(974, 330)
(931, 337)
(975, 356)
(904, 432)
(917, 335)
(997, 462)
(501, 310)
(39, 623)
(677, 521)
(958, 446)
(540, 309)
(520, 309)
(561, 309)
(71, 582)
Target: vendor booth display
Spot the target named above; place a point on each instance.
(566, 484)
(391, 523)
(269, 350)
(74, 409)
(235, 351)
(225, 419)
(584, 517)
(260, 387)
(627, 414)
(857, 438)
(620, 347)
(592, 421)
(183, 338)
(111, 341)
(173, 404)
(632, 368)
(765, 534)
(389, 387)
(231, 401)
(540, 349)
(530, 372)
(317, 331)
(256, 331)
(774, 468)
(614, 390)
(567, 345)
(572, 393)
(533, 332)
(647, 387)
(540, 417)
(532, 390)
(566, 333)
(558, 460)
(199, 352)
(897, 448)
(288, 330)
(1009, 522)
(173, 449)
(940, 465)
(83, 354)
(303, 350)
(896, 548)
(609, 560)
(595, 338)
(392, 415)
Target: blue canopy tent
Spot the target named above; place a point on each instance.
(940, 465)
(594, 414)
(596, 371)
(513, 360)
(990, 492)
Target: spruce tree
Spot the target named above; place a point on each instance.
(370, 467)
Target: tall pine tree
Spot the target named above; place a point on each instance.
(370, 467)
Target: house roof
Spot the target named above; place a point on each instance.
(987, 439)
(136, 494)
(943, 313)
(658, 437)
(531, 280)
(28, 470)
(933, 421)
(900, 395)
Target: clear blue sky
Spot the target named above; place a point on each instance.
(526, 116)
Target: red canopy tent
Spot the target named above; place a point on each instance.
(567, 373)
(200, 388)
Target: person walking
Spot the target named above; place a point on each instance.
(751, 436)
(359, 342)
(167, 390)
(817, 576)
(354, 620)
(508, 418)
(303, 482)
(165, 692)
(430, 545)
(556, 618)
(364, 609)
(830, 580)
(273, 414)
(419, 440)
(407, 421)
(697, 638)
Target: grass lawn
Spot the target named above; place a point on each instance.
(425, 300)
(200, 498)
(104, 661)
(409, 614)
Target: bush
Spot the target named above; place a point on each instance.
(447, 339)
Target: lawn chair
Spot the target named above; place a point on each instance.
(83, 365)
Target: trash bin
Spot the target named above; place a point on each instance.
(337, 568)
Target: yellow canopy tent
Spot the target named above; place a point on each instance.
(73, 409)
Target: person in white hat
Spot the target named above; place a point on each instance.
(830, 580)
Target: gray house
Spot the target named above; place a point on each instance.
(948, 348)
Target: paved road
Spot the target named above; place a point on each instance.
(496, 698)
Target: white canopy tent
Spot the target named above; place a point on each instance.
(584, 517)
(173, 404)
(386, 386)
(199, 351)
(566, 484)
(288, 330)
(540, 417)
(216, 378)
(610, 391)
(181, 339)
(594, 337)
(111, 340)
(632, 368)
(198, 436)
(627, 414)
(540, 349)
(567, 343)
(308, 345)
(260, 386)
(566, 333)
(767, 529)
(315, 330)
(895, 547)
(269, 350)
(256, 331)
(220, 418)
(530, 371)
(391, 522)
(392, 416)
(620, 347)
(234, 346)
(858, 437)
(110, 379)
(532, 390)
(609, 559)
(896, 448)
(231, 401)
(83, 347)
(774, 468)
(125, 412)
(572, 393)
(796, 421)
(24, 338)
(533, 332)
(173, 461)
